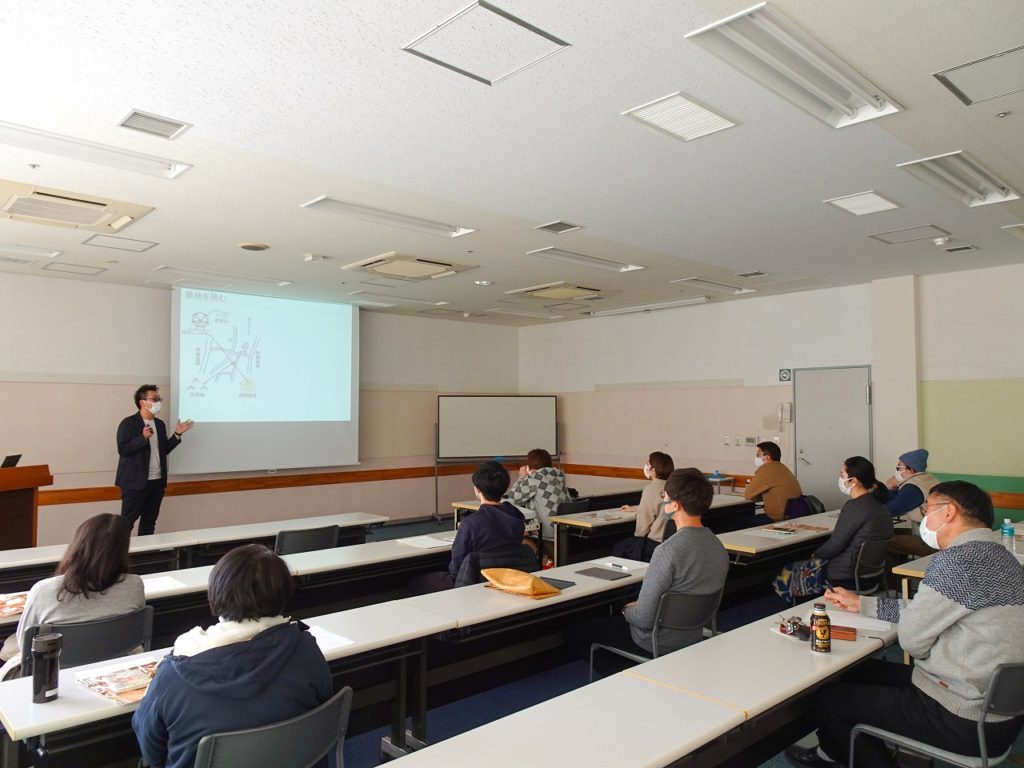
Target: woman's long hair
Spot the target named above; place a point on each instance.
(96, 558)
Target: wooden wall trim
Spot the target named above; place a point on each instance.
(1002, 500)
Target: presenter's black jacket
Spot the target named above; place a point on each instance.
(278, 674)
(133, 452)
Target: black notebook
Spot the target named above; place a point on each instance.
(603, 573)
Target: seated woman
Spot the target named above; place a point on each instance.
(252, 668)
(863, 518)
(91, 582)
(650, 519)
(540, 487)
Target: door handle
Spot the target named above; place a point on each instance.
(805, 461)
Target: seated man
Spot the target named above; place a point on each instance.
(966, 619)
(692, 561)
(907, 491)
(772, 483)
(495, 526)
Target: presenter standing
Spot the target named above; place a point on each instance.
(142, 448)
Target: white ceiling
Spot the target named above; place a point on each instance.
(290, 102)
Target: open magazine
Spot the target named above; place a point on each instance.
(12, 603)
(124, 683)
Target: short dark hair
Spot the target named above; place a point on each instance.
(97, 556)
(772, 449)
(864, 471)
(538, 458)
(492, 480)
(250, 582)
(691, 489)
(662, 464)
(975, 503)
(140, 393)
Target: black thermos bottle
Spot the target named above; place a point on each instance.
(45, 666)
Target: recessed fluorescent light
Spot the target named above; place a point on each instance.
(386, 218)
(897, 236)
(360, 295)
(449, 273)
(679, 116)
(208, 274)
(524, 313)
(372, 304)
(766, 46)
(73, 269)
(584, 260)
(482, 282)
(649, 307)
(119, 243)
(532, 288)
(1017, 230)
(961, 177)
(863, 203)
(29, 250)
(712, 285)
(90, 152)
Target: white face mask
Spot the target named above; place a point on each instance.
(845, 489)
(758, 462)
(648, 471)
(154, 408)
(665, 506)
(898, 475)
(928, 536)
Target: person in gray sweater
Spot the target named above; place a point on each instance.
(91, 582)
(966, 619)
(692, 560)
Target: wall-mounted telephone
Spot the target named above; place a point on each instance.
(785, 413)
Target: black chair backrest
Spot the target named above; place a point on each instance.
(521, 558)
(86, 642)
(299, 742)
(797, 507)
(1005, 695)
(815, 504)
(573, 507)
(306, 540)
(870, 563)
(680, 611)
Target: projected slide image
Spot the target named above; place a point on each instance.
(252, 358)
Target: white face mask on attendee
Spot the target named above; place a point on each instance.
(154, 408)
(928, 536)
(758, 462)
(665, 505)
(845, 489)
(648, 472)
(899, 474)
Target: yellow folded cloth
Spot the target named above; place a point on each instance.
(518, 583)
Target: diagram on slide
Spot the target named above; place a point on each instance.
(222, 355)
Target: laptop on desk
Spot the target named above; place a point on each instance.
(11, 461)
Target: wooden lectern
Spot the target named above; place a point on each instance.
(19, 504)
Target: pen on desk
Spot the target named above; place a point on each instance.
(617, 566)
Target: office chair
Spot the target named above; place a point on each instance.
(86, 642)
(521, 558)
(306, 540)
(676, 610)
(296, 743)
(573, 507)
(870, 567)
(1005, 696)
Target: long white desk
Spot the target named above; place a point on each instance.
(52, 553)
(759, 541)
(618, 721)
(248, 531)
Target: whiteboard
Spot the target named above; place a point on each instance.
(477, 426)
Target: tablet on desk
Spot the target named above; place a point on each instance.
(602, 573)
(557, 583)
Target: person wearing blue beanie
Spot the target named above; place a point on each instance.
(908, 489)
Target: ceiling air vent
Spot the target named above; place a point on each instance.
(960, 248)
(559, 227)
(558, 291)
(14, 260)
(405, 267)
(154, 125)
(60, 208)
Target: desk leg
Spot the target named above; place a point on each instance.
(561, 534)
(416, 738)
(394, 745)
(906, 596)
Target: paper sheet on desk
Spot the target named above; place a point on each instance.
(327, 640)
(423, 542)
(162, 582)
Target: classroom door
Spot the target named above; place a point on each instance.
(831, 421)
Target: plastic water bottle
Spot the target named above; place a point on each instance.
(1008, 534)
